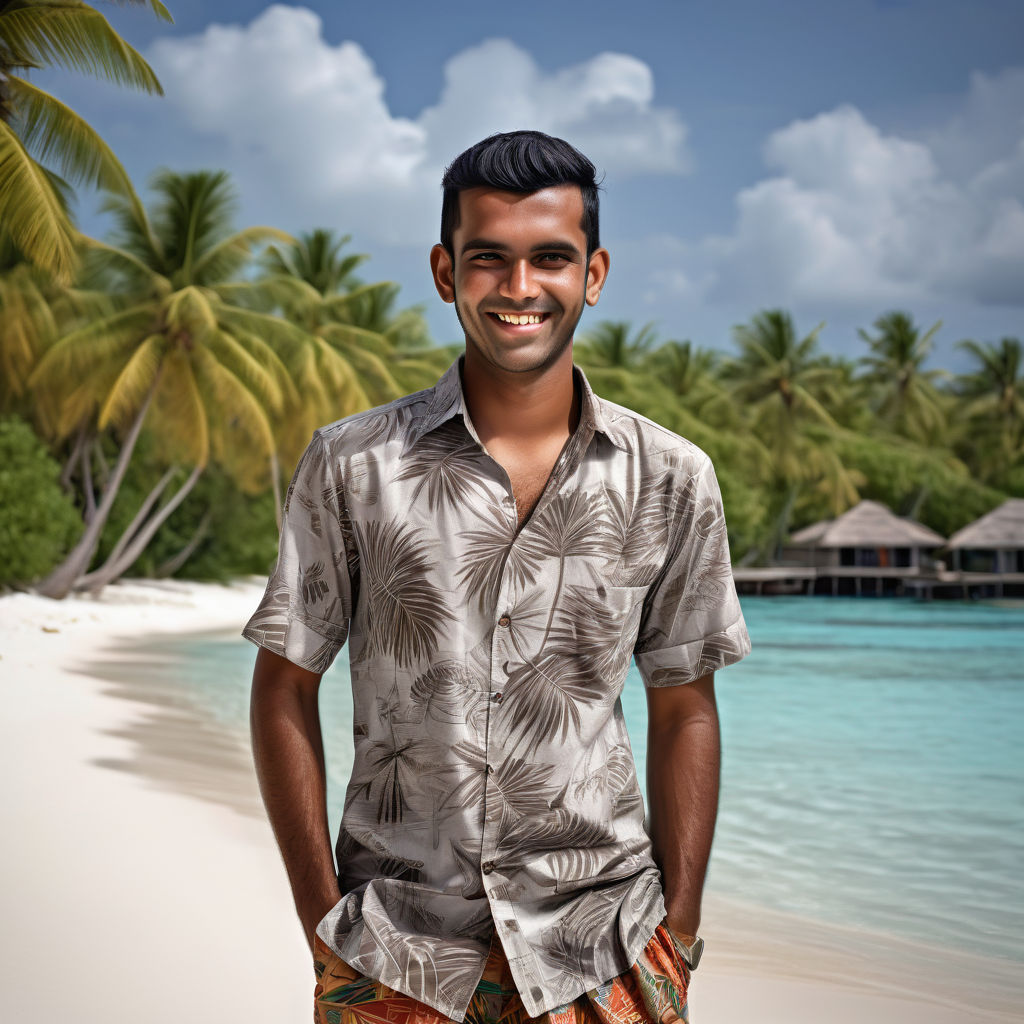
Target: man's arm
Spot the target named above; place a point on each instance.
(288, 750)
(683, 758)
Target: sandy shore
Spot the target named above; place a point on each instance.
(141, 879)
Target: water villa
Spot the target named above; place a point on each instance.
(870, 550)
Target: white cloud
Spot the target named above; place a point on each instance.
(855, 215)
(300, 114)
(603, 106)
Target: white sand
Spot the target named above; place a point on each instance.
(155, 892)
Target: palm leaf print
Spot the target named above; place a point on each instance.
(407, 614)
(483, 554)
(541, 699)
(312, 584)
(610, 777)
(557, 830)
(445, 692)
(640, 531)
(593, 626)
(394, 767)
(567, 526)
(469, 867)
(447, 463)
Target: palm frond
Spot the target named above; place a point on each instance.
(76, 36)
(132, 384)
(31, 210)
(229, 256)
(51, 129)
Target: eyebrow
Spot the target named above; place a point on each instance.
(554, 246)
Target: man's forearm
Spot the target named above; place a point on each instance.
(288, 752)
(683, 759)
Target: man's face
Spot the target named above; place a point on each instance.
(520, 275)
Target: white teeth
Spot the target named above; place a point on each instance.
(512, 318)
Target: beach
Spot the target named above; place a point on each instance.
(142, 879)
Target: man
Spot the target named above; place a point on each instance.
(495, 549)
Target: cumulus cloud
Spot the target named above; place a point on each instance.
(301, 114)
(856, 215)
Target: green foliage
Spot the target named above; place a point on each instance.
(915, 481)
(38, 521)
(239, 532)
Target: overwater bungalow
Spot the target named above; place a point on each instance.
(868, 549)
(988, 554)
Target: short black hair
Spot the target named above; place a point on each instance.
(522, 161)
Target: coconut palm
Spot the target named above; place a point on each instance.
(993, 406)
(786, 388)
(34, 206)
(178, 353)
(612, 343)
(904, 394)
(359, 358)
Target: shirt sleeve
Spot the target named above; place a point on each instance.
(691, 623)
(305, 613)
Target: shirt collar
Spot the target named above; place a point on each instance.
(448, 398)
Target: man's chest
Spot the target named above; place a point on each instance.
(528, 473)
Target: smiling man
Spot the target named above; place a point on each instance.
(496, 549)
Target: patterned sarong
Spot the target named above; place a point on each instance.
(652, 991)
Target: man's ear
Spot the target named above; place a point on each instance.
(441, 268)
(597, 274)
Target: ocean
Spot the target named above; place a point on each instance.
(872, 763)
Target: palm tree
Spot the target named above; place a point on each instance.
(364, 352)
(785, 387)
(34, 200)
(610, 344)
(905, 398)
(994, 406)
(178, 345)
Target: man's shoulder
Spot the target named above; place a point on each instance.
(644, 437)
(360, 431)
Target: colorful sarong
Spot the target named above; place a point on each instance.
(652, 991)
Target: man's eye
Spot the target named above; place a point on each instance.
(486, 256)
(551, 257)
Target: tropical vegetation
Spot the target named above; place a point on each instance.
(158, 386)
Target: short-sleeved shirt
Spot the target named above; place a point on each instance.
(493, 783)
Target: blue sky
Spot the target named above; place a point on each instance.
(838, 160)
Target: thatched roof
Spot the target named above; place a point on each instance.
(1003, 527)
(867, 524)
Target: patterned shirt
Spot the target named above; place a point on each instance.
(493, 783)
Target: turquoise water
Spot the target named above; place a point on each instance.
(872, 769)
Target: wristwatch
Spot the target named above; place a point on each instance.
(690, 954)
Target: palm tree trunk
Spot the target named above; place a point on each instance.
(89, 514)
(96, 580)
(172, 565)
(81, 441)
(60, 581)
(140, 516)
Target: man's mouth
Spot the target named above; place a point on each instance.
(519, 319)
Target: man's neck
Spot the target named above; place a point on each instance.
(524, 409)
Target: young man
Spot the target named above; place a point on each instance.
(495, 549)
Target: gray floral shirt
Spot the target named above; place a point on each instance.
(493, 783)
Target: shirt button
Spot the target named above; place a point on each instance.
(498, 697)
(504, 620)
(487, 867)
(490, 769)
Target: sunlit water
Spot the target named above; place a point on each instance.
(873, 763)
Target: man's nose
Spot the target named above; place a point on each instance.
(520, 282)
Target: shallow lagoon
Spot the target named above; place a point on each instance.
(872, 766)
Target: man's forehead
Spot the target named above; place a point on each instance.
(552, 204)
